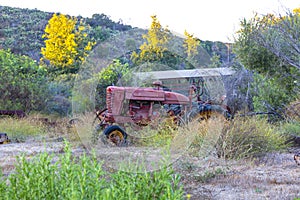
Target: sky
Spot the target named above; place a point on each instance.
(214, 20)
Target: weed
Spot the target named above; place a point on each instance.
(188, 166)
(84, 178)
(258, 190)
(208, 175)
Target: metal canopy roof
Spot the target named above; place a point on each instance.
(177, 74)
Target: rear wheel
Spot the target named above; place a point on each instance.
(211, 115)
(115, 135)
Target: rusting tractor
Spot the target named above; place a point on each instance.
(139, 106)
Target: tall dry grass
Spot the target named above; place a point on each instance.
(21, 129)
(249, 137)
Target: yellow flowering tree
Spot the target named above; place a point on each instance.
(155, 45)
(296, 11)
(191, 44)
(66, 42)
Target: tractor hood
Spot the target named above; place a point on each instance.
(149, 94)
(175, 98)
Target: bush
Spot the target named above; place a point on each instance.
(23, 84)
(290, 128)
(59, 103)
(109, 76)
(272, 95)
(84, 178)
(249, 137)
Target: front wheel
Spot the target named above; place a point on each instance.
(115, 134)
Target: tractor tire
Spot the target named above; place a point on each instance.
(210, 112)
(115, 135)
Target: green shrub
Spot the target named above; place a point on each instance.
(60, 94)
(290, 128)
(271, 95)
(23, 84)
(109, 75)
(84, 178)
(162, 184)
(208, 175)
(249, 137)
(2, 186)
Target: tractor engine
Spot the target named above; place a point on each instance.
(143, 112)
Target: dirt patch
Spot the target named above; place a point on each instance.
(10, 152)
(273, 176)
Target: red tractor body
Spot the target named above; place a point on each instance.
(138, 105)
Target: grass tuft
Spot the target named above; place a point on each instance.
(249, 137)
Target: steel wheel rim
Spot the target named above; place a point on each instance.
(116, 137)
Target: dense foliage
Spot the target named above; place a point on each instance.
(168, 51)
(109, 76)
(268, 45)
(21, 30)
(23, 83)
(102, 20)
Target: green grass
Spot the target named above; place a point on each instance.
(20, 129)
(84, 178)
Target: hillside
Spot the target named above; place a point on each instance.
(21, 31)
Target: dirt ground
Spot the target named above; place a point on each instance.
(273, 176)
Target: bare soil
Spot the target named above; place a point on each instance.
(272, 176)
